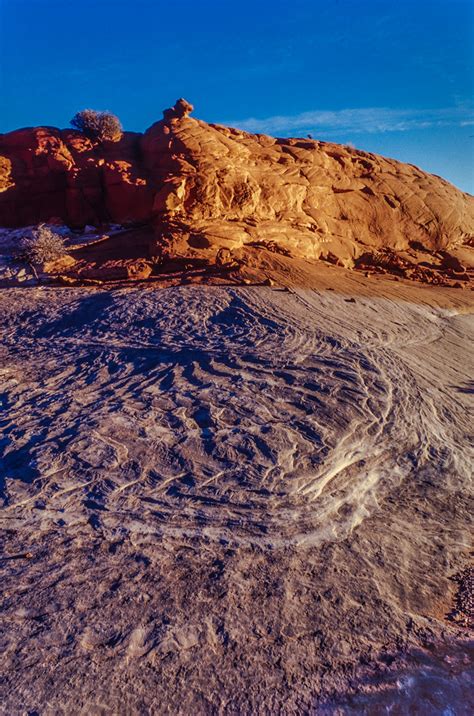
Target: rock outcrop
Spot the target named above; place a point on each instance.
(206, 187)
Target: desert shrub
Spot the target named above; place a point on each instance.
(42, 245)
(103, 126)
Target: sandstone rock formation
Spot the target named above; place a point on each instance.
(47, 172)
(205, 187)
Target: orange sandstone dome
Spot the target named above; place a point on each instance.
(204, 187)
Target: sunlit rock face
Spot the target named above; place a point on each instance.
(205, 187)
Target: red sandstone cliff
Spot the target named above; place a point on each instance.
(203, 187)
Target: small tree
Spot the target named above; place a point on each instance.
(103, 126)
(40, 246)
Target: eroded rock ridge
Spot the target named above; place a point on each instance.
(207, 187)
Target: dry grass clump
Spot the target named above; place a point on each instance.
(42, 245)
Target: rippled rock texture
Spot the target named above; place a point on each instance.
(234, 500)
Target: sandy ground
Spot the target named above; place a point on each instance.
(235, 500)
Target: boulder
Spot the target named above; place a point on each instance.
(451, 263)
(117, 270)
(182, 108)
(58, 266)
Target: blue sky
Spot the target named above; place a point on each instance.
(390, 77)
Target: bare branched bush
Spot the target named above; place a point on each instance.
(42, 245)
(101, 126)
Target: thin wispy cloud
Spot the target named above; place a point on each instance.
(369, 120)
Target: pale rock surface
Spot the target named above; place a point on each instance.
(237, 500)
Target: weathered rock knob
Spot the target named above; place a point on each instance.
(182, 108)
